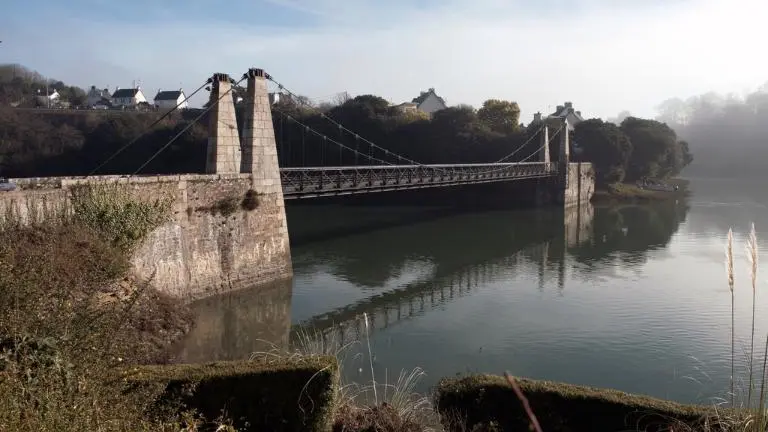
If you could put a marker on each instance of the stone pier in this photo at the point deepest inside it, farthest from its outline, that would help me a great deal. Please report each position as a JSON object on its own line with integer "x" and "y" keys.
{"x": 223, "y": 153}
{"x": 575, "y": 183}
{"x": 227, "y": 229}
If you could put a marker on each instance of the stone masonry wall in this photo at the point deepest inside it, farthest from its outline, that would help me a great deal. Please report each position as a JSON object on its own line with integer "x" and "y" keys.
{"x": 199, "y": 252}
{"x": 579, "y": 184}
{"x": 223, "y": 153}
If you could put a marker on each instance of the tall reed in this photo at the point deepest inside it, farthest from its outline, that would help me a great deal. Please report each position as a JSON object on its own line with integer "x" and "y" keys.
{"x": 752, "y": 256}
{"x": 729, "y": 272}
{"x": 751, "y": 415}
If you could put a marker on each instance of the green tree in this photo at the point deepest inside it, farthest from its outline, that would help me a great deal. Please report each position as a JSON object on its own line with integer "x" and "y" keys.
{"x": 500, "y": 115}
{"x": 606, "y": 146}
{"x": 686, "y": 152}
{"x": 374, "y": 104}
{"x": 656, "y": 151}
{"x": 456, "y": 118}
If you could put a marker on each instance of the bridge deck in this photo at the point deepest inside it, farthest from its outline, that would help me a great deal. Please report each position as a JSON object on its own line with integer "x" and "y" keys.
{"x": 327, "y": 181}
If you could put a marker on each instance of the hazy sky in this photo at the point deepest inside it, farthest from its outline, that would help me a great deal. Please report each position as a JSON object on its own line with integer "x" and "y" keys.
{"x": 604, "y": 55}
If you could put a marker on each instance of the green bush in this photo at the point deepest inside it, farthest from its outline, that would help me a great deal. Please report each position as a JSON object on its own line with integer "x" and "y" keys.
{"x": 473, "y": 402}
{"x": 287, "y": 394}
{"x": 119, "y": 217}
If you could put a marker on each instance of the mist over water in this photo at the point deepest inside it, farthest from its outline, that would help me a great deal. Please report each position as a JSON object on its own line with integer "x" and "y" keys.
{"x": 727, "y": 134}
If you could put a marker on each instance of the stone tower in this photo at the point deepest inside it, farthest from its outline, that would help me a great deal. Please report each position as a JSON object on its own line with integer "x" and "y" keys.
{"x": 259, "y": 145}
{"x": 544, "y": 153}
{"x": 223, "y": 154}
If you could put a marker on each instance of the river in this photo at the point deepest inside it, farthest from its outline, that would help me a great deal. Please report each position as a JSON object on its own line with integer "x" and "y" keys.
{"x": 632, "y": 297}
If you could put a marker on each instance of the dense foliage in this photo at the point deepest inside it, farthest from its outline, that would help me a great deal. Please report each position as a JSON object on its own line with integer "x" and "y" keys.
{"x": 76, "y": 142}
{"x": 19, "y": 86}
{"x": 635, "y": 149}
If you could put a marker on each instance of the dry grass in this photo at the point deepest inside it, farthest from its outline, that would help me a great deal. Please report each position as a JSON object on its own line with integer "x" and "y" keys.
{"x": 69, "y": 319}
{"x": 629, "y": 192}
{"x": 375, "y": 406}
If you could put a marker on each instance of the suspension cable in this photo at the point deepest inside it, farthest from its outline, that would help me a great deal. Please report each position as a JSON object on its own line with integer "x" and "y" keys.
{"x": 192, "y": 123}
{"x": 325, "y": 116}
{"x": 281, "y": 155}
{"x": 521, "y": 145}
{"x": 133, "y": 141}
{"x": 303, "y": 147}
{"x": 535, "y": 152}
{"x": 326, "y": 138}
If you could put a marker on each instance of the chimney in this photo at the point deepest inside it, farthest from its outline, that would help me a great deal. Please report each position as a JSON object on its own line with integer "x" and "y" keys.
{"x": 569, "y": 104}
{"x": 559, "y": 108}
{"x": 537, "y": 117}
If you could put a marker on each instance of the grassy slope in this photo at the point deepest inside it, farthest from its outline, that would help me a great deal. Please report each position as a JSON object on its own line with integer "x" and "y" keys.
{"x": 627, "y": 192}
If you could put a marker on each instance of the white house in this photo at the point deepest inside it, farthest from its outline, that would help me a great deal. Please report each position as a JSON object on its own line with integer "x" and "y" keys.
{"x": 128, "y": 97}
{"x": 96, "y": 96}
{"x": 48, "y": 99}
{"x": 169, "y": 99}
{"x": 406, "y": 107}
{"x": 429, "y": 102}
{"x": 566, "y": 111}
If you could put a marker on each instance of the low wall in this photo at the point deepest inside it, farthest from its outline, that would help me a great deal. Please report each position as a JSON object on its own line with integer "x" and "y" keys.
{"x": 207, "y": 247}
{"x": 269, "y": 394}
{"x": 473, "y": 401}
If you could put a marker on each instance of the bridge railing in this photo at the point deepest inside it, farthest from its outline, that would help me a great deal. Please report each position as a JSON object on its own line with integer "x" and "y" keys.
{"x": 320, "y": 181}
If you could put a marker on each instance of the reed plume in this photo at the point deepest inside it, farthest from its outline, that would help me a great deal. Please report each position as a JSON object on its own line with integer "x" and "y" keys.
{"x": 752, "y": 256}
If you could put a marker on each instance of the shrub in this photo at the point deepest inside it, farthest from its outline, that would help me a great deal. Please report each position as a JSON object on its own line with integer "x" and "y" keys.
{"x": 287, "y": 394}
{"x": 68, "y": 320}
{"x": 120, "y": 218}
{"x": 479, "y": 401}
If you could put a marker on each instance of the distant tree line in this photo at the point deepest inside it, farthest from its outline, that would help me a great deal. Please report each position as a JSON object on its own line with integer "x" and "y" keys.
{"x": 75, "y": 143}
{"x": 728, "y": 133}
{"x": 19, "y": 86}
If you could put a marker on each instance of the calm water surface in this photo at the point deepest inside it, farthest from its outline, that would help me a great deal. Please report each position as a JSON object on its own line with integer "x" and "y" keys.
{"x": 630, "y": 297}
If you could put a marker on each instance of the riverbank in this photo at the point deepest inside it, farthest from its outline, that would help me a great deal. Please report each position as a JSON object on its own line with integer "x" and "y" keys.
{"x": 632, "y": 193}
{"x": 70, "y": 332}
{"x": 79, "y": 338}
{"x": 80, "y": 344}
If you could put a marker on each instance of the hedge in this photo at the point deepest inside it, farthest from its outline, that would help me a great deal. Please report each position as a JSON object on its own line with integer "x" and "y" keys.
{"x": 487, "y": 402}
{"x": 277, "y": 395}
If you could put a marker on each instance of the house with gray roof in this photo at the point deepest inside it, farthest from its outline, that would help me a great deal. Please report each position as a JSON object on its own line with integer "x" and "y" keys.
{"x": 97, "y": 96}
{"x": 129, "y": 97}
{"x": 567, "y": 112}
{"x": 429, "y": 102}
{"x": 170, "y": 99}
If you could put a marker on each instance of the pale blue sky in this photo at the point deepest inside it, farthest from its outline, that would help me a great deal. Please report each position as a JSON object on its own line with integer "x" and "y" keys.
{"x": 604, "y": 55}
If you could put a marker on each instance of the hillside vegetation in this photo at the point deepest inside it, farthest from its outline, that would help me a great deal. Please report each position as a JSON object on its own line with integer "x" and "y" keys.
{"x": 77, "y": 142}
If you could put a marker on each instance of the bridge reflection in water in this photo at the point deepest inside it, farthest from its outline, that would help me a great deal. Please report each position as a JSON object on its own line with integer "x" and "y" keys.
{"x": 235, "y": 325}
{"x": 541, "y": 242}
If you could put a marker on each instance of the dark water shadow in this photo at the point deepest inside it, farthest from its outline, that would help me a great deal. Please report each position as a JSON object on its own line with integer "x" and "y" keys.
{"x": 232, "y": 326}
